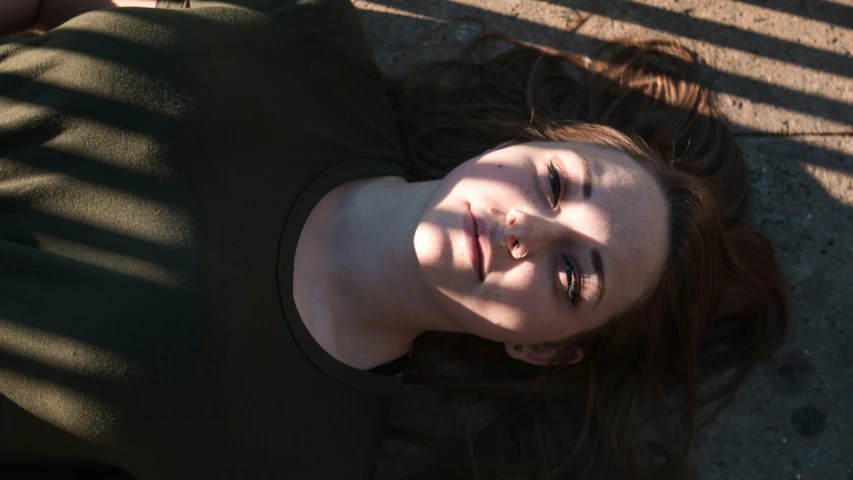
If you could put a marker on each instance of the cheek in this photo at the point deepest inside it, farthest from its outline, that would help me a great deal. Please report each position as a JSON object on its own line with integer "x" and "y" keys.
{"x": 519, "y": 297}
{"x": 497, "y": 182}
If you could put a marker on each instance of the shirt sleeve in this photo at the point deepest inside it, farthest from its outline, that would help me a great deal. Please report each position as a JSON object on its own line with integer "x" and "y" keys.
{"x": 272, "y": 7}
{"x": 173, "y": 4}
{"x": 336, "y": 22}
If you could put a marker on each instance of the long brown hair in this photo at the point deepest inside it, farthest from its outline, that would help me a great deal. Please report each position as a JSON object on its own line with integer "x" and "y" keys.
{"x": 632, "y": 407}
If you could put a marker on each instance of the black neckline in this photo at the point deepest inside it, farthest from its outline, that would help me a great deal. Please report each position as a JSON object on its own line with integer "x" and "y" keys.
{"x": 299, "y": 212}
{"x": 394, "y": 367}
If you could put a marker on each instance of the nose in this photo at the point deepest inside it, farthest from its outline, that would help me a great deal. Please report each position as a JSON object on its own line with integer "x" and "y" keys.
{"x": 525, "y": 233}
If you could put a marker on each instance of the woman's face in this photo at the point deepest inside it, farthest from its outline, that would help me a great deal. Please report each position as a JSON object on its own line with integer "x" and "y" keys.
{"x": 536, "y": 242}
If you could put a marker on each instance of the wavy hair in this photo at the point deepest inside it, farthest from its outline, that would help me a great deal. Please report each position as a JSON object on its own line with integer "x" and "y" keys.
{"x": 632, "y": 406}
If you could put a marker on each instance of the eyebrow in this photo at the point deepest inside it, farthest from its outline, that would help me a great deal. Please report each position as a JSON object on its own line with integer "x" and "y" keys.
{"x": 587, "y": 177}
{"x": 597, "y": 293}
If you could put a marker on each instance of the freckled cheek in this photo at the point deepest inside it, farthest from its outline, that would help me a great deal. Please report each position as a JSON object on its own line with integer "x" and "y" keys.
{"x": 523, "y": 289}
{"x": 498, "y": 181}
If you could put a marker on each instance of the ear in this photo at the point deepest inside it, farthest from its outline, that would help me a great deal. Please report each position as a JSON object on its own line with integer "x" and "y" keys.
{"x": 541, "y": 354}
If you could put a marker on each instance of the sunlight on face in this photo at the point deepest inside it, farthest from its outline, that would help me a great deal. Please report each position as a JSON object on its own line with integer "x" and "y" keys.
{"x": 540, "y": 241}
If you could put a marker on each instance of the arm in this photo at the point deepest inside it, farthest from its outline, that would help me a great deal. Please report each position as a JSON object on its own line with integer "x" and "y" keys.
{"x": 16, "y": 16}
{"x": 43, "y": 15}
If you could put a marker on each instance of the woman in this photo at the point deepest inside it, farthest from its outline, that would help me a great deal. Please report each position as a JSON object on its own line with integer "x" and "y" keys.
{"x": 220, "y": 243}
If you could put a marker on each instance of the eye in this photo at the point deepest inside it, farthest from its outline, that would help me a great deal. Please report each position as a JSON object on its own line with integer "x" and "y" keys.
{"x": 556, "y": 184}
{"x": 572, "y": 280}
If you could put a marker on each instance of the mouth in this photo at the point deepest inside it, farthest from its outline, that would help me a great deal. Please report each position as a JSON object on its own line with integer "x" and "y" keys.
{"x": 472, "y": 242}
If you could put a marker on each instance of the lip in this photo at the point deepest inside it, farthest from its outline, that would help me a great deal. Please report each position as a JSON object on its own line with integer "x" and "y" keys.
{"x": 473, "y": 243}
{"x": 484, "y": 243}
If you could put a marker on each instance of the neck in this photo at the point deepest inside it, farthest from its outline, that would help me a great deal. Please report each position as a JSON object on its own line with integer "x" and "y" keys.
{"x": 374, "y": 283}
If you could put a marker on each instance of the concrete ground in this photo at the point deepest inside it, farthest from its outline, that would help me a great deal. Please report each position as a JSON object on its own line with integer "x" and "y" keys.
{"x": 783, "y": 72}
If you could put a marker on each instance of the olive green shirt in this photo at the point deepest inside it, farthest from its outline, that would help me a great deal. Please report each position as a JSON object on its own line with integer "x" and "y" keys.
{"x": 156, "y": 168}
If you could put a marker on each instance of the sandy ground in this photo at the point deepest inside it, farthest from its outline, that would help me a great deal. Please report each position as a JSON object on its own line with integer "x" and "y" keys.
{"x": 783, "y": 73}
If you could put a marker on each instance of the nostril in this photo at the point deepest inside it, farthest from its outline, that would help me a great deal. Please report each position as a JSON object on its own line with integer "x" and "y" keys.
{"x": 517, "y": 251}
{"x": 510, "y": 218}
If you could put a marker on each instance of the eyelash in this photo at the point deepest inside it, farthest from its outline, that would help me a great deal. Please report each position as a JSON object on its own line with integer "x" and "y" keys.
{"x": 556, "y": 184}
{"x": 572, "y": 279}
